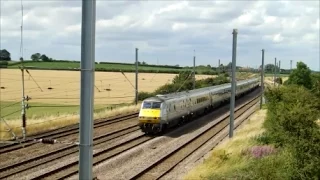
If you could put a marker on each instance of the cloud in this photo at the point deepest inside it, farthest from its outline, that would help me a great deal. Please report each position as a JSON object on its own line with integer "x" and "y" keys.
{"x": 168, "y": 30}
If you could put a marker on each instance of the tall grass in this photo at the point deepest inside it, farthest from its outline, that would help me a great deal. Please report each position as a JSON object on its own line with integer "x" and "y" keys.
{"x": 227, "y": 156}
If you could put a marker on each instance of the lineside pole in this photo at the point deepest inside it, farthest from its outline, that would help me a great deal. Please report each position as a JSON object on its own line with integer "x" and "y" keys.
{"x": 23, "y": 104}
{"x": 262, "y": 79}
{"x": 219, "y": 68}
{"x": 279, "y": 69}
{"x": 194, "y": 72}
{"x": 290, "y": 66}
{"x": 233, "y": 83}
{"x": 136, "y": 92}
{"x": 87, "y": 87}
{"x": 275, "y": 70}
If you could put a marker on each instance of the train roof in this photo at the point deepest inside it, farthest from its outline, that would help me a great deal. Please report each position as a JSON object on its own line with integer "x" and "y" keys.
{"x": 164, "y": 97}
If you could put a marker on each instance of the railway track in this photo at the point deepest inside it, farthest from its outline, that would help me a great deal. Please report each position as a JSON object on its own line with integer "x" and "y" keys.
{"x": 33, "y": 162}
{"x": 71, "y": 168}
{"x": 160, "y": 167}
{"x": 70, "y": 130}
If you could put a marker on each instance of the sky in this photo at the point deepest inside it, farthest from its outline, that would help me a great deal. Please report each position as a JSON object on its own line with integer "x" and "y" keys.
{"x": 168, "y": 32}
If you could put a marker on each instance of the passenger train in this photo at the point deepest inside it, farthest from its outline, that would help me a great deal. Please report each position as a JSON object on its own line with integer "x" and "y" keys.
{"x": 164, "y": 111}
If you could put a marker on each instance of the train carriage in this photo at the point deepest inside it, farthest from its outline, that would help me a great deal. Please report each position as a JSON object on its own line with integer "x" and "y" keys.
{"x": 163, "y": 111}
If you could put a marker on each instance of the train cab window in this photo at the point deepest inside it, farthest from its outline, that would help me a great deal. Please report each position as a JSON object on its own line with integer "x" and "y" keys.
{"x": 156, "y": 105}
{"x": 146, "y": 105}
{"x": 151, "y": 105}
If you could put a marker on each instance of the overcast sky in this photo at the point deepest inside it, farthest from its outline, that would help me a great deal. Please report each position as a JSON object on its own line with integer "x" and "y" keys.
{"x": 168, "y": 30}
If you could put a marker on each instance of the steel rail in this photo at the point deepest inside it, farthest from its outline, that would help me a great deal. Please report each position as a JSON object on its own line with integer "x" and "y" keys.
{"x": 27, "y": 164}
{"x": 166, "y": 163}
{"x": 62, "y": 132}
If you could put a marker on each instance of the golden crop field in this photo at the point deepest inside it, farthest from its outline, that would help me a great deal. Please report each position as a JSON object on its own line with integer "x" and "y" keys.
{"x": 110, "y": 87}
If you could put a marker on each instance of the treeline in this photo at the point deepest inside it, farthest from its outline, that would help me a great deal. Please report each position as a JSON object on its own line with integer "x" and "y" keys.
{"x": 183, "y": 82}
{"x": 162, "y": 71}
{"x": 144, "y": 64}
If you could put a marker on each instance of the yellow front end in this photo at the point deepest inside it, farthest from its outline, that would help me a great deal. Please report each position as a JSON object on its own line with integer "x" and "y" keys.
{"x": 151, "y": 116}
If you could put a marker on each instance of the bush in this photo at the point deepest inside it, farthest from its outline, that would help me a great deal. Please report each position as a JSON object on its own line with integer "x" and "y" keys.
{"x": 300, "y": 76}
{"x": 278, "y": 80}
{"x": 278, "y": 166}
{"x": 3, "y": 64}
{"x": 291, "y": 123}
{"x": 144, "y": 95}
{"x": 316, "y": 84}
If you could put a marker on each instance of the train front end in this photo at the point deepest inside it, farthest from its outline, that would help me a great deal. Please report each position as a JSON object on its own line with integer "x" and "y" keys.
{"x": 150, "y": 116}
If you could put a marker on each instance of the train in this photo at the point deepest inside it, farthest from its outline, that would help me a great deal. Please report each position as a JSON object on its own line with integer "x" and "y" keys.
{"x": 164, "y": 111}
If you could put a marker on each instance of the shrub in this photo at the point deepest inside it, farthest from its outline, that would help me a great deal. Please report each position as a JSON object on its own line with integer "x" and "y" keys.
{"x": 278, "y": 80}
{"x": 276, "y": 166}
{"x": 144, "y": 95}
{"x": 3, "y": 64}
{"x": 301, "y": 76}
{"x": 291, "y": 123}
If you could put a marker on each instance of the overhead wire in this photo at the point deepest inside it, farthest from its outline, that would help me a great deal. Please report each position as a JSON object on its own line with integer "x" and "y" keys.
{"x": 10, "y": 105}
{"x": 11, "y": 113}
{"x": 34, "y": 80}
{"x": 184, "y": 81}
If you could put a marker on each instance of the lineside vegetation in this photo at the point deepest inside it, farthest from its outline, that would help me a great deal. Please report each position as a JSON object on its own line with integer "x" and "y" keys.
{"x": 288, "y": 146}
{"x": 183, "y": 82}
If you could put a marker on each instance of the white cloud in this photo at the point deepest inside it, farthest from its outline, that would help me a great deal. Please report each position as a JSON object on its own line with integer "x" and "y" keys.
{"x": 169, "y": 30}
{"x": 179, "y": 26}
{"x": 277, "y": 38}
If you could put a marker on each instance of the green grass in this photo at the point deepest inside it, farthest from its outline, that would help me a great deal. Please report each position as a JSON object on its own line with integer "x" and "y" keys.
{"x": 12, "y": 110}
{"x": 75, "y": 65}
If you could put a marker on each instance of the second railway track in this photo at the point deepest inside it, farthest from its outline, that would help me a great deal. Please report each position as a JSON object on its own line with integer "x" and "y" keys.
{"x": 27, "y": 164}
{"x": 160, "y": 167}
{"x": 71, "y": 168}
{"x": 73, "y": 129}
{"x": 103, "y": 151}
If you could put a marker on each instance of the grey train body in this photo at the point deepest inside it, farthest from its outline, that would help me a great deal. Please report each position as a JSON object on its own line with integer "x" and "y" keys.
{"x": 178, "y": 107}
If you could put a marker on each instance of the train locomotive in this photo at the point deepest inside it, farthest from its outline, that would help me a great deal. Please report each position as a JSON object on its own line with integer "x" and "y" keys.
{"x": 164, "y": 111}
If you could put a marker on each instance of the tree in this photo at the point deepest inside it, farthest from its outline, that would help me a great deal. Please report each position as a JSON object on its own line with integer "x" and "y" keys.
{"x": 5, "y": 55}
{"x": 301, "y": 76}
{"x": 270, "y": 68}
{"x": 44, "y": 57}
{"x": 183, "y": 76}
{"x": 35, "y": 57}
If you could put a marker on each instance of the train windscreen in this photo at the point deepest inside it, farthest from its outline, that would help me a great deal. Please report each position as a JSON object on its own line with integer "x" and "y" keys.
{"x": 151, "y": 105}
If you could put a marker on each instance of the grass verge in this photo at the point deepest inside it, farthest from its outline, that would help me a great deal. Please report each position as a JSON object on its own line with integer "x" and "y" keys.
{"x": 51, "y": 122}
{"x": 228, "y": 161}
{"x": 12, "y": 110}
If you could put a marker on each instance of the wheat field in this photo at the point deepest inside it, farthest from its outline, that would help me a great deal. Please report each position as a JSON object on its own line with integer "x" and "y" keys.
{"x": 110, "y": 87}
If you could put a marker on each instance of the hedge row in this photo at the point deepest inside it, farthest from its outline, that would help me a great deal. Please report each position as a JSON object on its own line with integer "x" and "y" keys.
{"x": 126, "y": 70}
{"x": 3, "y": 64}
{"x": 291, "y": 124}
{"x": 183, "y": 82}
{"x": 146, "y": 65}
